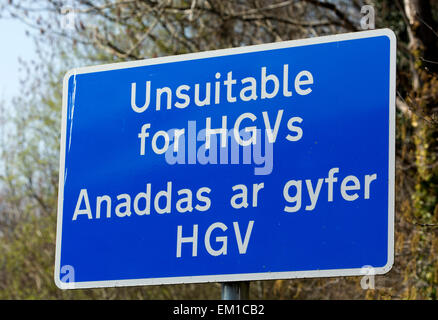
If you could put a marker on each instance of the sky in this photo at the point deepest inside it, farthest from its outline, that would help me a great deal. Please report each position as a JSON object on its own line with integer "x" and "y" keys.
{"x": 13, "y": 44}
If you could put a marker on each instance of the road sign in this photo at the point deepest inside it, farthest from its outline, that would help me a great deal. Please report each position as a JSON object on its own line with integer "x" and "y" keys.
{"x": 261, "y": 162}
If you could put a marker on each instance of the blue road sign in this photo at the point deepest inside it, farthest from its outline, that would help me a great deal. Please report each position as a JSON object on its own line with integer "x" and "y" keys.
{"x": 261, "y": 162}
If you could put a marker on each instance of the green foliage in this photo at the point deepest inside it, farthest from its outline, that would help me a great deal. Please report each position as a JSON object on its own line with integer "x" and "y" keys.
{"x": 30, "y": 150}
{"x": 27, "y": 263}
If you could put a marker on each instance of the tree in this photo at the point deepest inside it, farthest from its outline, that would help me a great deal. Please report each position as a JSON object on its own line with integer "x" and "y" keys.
{"x": 117, "y": 30}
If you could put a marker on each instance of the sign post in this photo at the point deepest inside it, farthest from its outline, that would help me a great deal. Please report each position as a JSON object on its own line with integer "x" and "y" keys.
{"x": 235, "y": 290}
{"x": 273, "y": 161}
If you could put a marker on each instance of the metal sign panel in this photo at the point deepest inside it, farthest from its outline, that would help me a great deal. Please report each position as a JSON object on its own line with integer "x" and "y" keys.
{"x": 261, "y": 162}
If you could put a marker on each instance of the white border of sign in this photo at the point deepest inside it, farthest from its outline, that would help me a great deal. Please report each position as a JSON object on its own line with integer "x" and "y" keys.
{"x": 245, "y": 276}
